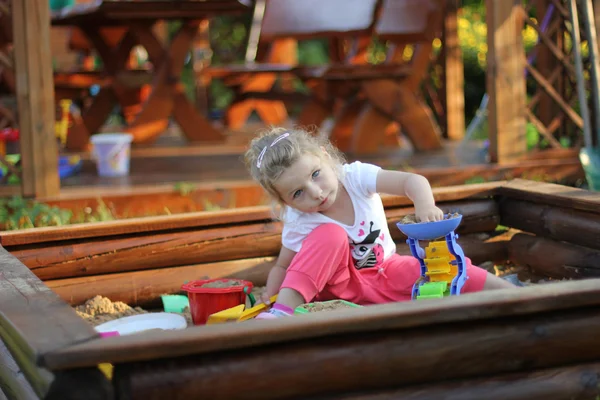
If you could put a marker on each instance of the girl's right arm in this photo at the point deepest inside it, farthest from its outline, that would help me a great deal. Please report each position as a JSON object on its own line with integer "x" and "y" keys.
{"x": 277, "y": 273}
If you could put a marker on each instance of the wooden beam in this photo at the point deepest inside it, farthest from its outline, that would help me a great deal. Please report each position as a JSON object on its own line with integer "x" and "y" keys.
{"x": 12, "y": 379}
{"x": 152, "y": 250}
{"x": 454, "y": 74}
{"x": 35, "y": 98}
{"x": 207, "y": 219}
{"x": 459, "y": 312}
{"x": 547, "y": 257}
{"x": 505, "y": 82}
{"x": 571, "y": 382}
{"x": 144, "y": 287}
{"x": 552, "y": 194}
{"x": 34, "y": 320}
{"x": 312, "y": 368}
{"x": 559, "y": 223}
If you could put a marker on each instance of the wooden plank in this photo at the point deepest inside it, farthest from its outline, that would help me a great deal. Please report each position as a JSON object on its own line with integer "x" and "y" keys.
{"x": 35, "y": 98}
{"x": 505, "y": 82}
{"x": 12, "y": 190}
{"x": 12, "y": 380}
{"x": 166, "y": 200}
{"x": 34, "y": 320}
{"x": 201, "y": 219}
{"x": 571, "y": 382}
{"x": 76, "y": 193}
{"x": 548, "y": 169}
{"x": 552, "y": 194}
{"x": 461, "y": 311}
{"x": 136, "y": 225}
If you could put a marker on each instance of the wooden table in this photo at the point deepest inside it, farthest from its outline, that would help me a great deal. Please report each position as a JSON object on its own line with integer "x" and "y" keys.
{"x": 167, "y": 96}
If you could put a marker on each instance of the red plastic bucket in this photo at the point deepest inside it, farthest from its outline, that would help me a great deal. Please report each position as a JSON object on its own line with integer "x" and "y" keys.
{"x": 205, "y": 301}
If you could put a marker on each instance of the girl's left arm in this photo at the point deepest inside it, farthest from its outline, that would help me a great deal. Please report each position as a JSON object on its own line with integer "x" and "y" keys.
{"x": 415, "y": 187}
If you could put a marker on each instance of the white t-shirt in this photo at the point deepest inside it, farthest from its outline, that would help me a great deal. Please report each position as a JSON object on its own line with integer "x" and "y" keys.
{"x": 369, "y": 237}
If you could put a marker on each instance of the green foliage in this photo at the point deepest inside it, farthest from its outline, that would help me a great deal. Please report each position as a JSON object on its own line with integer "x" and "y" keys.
{"x": 184, "y": 188}
{"x": 101, "y": 213}
{"x": 475, "y": 179}
{"x": 19, "y": 213}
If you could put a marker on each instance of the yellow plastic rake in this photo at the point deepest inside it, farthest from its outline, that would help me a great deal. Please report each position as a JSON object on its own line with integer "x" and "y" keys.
{"x": 238, "y": 313}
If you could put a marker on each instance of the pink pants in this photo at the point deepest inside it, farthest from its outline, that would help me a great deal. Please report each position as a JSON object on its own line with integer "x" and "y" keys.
{"x": 324, "y": 270}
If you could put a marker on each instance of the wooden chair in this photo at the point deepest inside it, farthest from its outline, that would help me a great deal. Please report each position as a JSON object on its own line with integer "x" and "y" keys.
{"x": 367, "y": 101}
{"x": 371, "y": 120}
{"x": 292, "y": 20}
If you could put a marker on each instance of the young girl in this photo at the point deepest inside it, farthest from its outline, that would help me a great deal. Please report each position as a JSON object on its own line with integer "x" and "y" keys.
{"x": 336, "y": 241}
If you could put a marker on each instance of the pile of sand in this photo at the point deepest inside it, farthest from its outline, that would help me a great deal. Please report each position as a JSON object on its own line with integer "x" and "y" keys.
{"x": 99, "y": 310}
{"x": 326, "y": 306}
{"x": 412, "y": 219}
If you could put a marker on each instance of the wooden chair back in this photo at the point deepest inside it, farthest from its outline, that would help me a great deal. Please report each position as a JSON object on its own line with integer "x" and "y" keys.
{"x": 306, "y": 19}
{"x": 409, "y": 21}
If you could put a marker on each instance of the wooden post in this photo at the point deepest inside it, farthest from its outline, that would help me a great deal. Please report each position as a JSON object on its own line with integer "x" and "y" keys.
{"x": 505, "y": 81}
{"x": 454, "y": 74}
{"x": 547, "y": 64}
{"x": 35, "y": 98}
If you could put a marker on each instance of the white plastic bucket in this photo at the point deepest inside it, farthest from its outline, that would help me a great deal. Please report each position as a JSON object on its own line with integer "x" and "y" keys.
{"x": 112, "y": 153}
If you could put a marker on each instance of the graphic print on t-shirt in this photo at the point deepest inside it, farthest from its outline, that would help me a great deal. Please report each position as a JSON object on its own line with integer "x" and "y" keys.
{"x": 369, "y": 252}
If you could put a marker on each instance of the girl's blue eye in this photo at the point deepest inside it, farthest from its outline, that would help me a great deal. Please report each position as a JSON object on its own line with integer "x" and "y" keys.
{"x": 316, "y": 173}
{"x": 297, "y": 193}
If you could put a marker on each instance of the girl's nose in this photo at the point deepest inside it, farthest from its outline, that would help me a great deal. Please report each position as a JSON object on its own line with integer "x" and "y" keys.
{"x": 317, "y": 192}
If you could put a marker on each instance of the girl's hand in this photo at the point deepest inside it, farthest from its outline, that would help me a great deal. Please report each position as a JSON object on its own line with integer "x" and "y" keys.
{"x": 429, "y": 213}
{"x": 265, "y": 298}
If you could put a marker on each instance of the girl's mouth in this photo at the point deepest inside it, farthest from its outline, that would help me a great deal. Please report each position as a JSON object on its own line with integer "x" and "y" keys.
{"x": 324, "y": 201}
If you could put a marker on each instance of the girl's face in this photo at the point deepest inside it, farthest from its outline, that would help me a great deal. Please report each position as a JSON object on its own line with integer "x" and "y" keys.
{"x": 308, "y": 185}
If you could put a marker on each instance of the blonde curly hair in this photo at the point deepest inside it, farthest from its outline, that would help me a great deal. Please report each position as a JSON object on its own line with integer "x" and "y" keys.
{"x": 271, "y": 152}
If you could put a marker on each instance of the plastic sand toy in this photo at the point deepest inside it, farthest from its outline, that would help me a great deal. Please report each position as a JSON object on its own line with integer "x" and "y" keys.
{"x": 442, "y": 261}
{"x": 238, "y": 313}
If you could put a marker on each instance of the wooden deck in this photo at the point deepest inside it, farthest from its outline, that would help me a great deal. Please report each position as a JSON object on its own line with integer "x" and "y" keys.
{"x": 171, "y": 160}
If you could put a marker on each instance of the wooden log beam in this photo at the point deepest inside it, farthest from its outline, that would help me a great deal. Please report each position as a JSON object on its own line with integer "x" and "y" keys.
{"x": 144, "y": 287}
{"x": 104, "y": 255}
{"x": 387, "y": 358}
{"x": 500, "y": 312}
{"x": 505, "y": 82}
{"x": 206, "y": 219}
{"x": 394, "y": 357}
{"x": 570, "y": 382}
{"x": 548, "y": 257}
{"x": 562, "y": 224}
